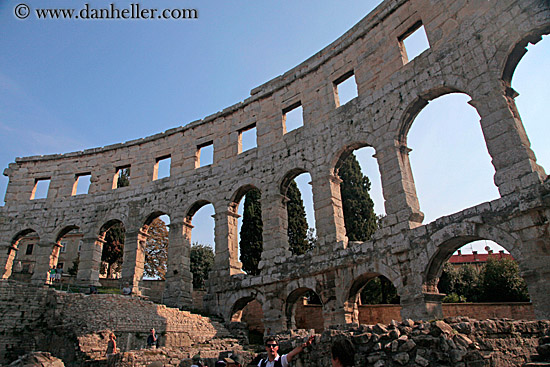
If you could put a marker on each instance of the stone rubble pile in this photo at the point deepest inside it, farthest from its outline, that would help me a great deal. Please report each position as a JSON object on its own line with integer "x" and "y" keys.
{"x": 37, "y": 359}
{"x": 459, "y": 342}
{"x": 75, "y": 327}
{"x": 170, "y": 357}
{"x": 543, "y": 356}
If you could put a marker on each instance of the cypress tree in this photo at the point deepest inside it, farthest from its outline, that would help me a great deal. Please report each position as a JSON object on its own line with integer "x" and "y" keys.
{"x": 251, "y": 244}
{"x": 297, "y": 224}
{"x": 358, "y": 207}
{"x": 113, "y": 248}
{"x": 202, "y": 261}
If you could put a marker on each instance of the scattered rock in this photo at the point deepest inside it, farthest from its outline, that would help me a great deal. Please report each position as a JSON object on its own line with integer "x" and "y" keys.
{"x": 462, "y": 340}
{"x": 38, "y": 359}
{"x": 421, "y": 361}
{"x": 401, "y": 358}
{"x": 407, "y": 346}
{"x": 380, "y": 329}
{"x": 441, "y": 327}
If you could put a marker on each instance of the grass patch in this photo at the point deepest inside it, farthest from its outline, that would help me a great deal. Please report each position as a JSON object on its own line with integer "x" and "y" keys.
{"x": 102, "y": 290}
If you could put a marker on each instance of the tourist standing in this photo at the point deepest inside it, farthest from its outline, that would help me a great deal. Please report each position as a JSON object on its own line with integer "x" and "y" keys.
{"x": 273, "y": 358}
{"x": 343, "y": 353}
{"x": 127, "y": 290}
{"x": 52, "y": 275}
{"x": 197, "y": 361}
{"x": 58, "y": 274}
{"x": 111, "y": 345}
{"x": 152, "y": 339}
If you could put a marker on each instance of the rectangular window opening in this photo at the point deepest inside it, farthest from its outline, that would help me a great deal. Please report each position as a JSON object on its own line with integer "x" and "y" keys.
{"x": 122, "y": 177}
{"x": 82, "y": 184}
{"x": 63, "y": 246}
{"x": 345, "y": 89}
{"x": 205, "y": 155}
{"x": 30, "y": 247}
{"x": 162, "y": 168}
{"x": 40, "y": 190}
{"x": 247, "y": 138}
{"x": 293, "y": 117}
{"x": 413, "y": 42}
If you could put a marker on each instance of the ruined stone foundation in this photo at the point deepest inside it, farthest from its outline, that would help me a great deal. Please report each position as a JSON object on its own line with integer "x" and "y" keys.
{"x": 74, "y": 328}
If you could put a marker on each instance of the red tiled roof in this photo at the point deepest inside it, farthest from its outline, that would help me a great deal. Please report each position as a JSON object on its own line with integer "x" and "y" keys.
{"x": 477, "y": 258}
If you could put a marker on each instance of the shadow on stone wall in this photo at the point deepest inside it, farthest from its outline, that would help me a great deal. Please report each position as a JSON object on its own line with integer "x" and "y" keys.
{"x": 75, "y": 327}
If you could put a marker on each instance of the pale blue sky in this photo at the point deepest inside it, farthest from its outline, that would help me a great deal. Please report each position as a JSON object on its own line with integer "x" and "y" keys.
{"x": 69, "y": 85}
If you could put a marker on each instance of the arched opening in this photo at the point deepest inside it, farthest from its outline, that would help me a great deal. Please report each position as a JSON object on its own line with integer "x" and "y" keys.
{"x": 304, "y": 310}
{"x": 372, "y": 299}
{"x": 112, "y": 234}
{"x": 200, "y": 226}
{"x": 22, "y": 256}
{"x": 360, "y": 191}
{"x": 301, "y": 232}
{"x": 156, "y": 246}
{"x": 248, "y": 311}
{"x": 154, "y": 259}
{"x": 531, "y": 82}
{"x": 480, "y": 279}
{"x": 69, "y": 244}
{"x": 246, "y": 228}
{"x": 449, "y": 158}
{"x": 201, "y": 219}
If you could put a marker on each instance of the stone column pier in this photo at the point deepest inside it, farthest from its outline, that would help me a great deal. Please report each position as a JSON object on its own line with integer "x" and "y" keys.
{"x": 329, "y": 215}
{"x": 6, "y": 261}
{"x": 274, "y": 317}
{"x": 534, "y": 268}
{"x": 179, "y": 280}
{"x": 507, "y": 143}
{"x": 47, "y": 254}
{"x": 333, "y": 315}
{"x": 422, "y": 306}
{"x": 134, "y": 259}
{"x": 90, "y": 261}
{"x": 226, "y": 260}
{"x": 275, "y": 229}
{"x": 400, "y": 197}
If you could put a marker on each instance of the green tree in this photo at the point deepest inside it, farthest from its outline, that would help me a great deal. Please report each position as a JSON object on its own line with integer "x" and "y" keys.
{"x": 379, "y": 290}
{"x": 73, "y": 270}
{"x": 123, "y": 177}
{"x": 299, "y": 239}
{"x": 202, "y": 261}
{"x": 251, "y": 244}
{"x": 113, "y": 248}
{"x": 501, "y": 282}
{"x": 311, "y": 238}
{"x": 156, "y": 249}
{"x": 467, "y": 283}
{"x": 358, "y": 207}
{"x": 460, "y": 283}
{"x": 497, "y": 281}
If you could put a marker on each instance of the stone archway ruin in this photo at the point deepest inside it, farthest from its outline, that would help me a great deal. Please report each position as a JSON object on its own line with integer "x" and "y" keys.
{"x": 474, "y": 48}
